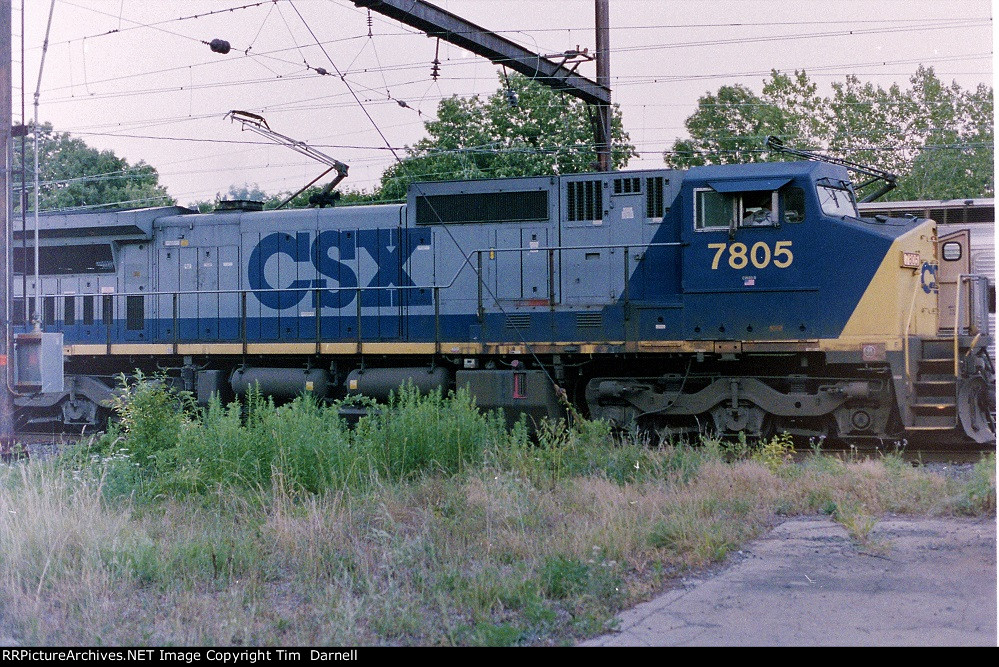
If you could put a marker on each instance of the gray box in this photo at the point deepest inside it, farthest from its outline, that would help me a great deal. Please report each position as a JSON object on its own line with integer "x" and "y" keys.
{"x": 38, "y": 362}
{"x": 209, "y": 382}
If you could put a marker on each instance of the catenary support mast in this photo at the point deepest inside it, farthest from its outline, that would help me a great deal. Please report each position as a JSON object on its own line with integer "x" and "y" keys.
{"x": 437, "y": 22}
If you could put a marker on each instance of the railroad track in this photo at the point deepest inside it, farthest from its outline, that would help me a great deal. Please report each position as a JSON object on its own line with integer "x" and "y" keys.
{"x": 41, "y": 445}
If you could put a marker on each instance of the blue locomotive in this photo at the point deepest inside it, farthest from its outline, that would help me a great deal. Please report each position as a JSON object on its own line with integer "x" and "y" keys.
{"x": 732, "y": 298}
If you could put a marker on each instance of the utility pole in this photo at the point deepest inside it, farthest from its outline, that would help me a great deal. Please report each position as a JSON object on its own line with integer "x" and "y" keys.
{"x": 6, "y": 99}
{"x": 602, "y": 14}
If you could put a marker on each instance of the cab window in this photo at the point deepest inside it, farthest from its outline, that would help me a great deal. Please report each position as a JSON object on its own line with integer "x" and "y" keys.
{"x": 794, "y": 205}
{"x": 727, "y": 210}
{"x": 837, "y": 201}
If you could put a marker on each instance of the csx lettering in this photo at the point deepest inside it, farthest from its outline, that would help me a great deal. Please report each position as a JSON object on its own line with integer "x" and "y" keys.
{"x": 388, "y": 248}
{"x": 759, "y": 254}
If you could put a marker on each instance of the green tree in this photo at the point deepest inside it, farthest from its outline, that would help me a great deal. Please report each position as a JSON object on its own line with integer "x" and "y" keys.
{"x": 73, "y": 174}
{"x": 937, "y": 139}
{"x": 731, "y": 126}
{"x": 543, "y": 132}
{"x": 252, "y": 192}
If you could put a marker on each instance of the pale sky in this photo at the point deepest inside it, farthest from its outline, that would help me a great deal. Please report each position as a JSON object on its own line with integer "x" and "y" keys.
{"x": 127, "y": 75}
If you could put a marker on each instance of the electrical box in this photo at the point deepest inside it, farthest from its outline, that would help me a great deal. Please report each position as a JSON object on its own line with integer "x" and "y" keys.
{"x": 210, "y": 382}
{"x": 38, "y": 359}
{"x": 517, "y": 391}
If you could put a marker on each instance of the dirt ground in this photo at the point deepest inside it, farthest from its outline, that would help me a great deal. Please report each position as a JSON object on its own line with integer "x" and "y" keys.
{"x": 917, "y": 582}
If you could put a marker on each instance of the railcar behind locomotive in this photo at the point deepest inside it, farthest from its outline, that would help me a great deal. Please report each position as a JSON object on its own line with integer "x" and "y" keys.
{"x": 733, "y": 298}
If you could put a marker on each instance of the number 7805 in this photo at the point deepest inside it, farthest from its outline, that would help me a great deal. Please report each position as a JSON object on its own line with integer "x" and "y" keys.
{"x": 740, "y": 255}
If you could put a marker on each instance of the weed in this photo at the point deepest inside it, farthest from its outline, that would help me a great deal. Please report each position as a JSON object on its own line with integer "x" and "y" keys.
{"x": 979, "y": 495}
{"x": 856, "y": 520}
{"x": 776, "y": 453}
{"x": 562, "y": 577}
{"x": 491, "y": 634}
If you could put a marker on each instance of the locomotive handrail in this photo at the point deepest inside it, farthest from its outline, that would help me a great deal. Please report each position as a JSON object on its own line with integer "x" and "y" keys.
{"x": 957, "y": 328}
{"x": 109, "y": 298}
{"x": 447, "y": 285}
{"x": 908, "y": 327}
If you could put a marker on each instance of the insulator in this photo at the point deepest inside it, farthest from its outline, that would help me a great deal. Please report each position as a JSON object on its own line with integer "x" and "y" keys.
{"x": 321, "y": 71}
{"x": 219, "y": 46}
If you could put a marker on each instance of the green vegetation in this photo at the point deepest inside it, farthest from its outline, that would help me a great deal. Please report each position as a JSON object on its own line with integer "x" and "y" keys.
{"x": 75, "y": 174}
{"x": 937, "y": 138}
{"x": 428, "y": 523}
{"x": 535, "y": 132}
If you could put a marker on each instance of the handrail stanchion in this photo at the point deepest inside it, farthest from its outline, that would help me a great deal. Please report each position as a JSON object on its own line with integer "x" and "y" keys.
{"x": 908, "y": 325}
{"x": 319, "y": 322}
{"x": 242, "y": 319}
{"x": 437, "y": 319}
{"x": 957, "y": 324}
{"x": 176, "y": 320}
{"x": 359, "y": 348}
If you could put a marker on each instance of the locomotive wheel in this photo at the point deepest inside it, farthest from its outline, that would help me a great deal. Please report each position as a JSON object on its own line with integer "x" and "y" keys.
{"x": 975, "y": 411}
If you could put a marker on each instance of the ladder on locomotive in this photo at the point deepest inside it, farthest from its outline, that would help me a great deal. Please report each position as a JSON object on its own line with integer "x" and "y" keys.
{"x": 936, "y": 387}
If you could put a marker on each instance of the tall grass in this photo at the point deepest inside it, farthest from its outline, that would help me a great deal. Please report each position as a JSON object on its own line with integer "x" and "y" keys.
{"x": 429, "y": 523}
{"x": 163, "y": 444}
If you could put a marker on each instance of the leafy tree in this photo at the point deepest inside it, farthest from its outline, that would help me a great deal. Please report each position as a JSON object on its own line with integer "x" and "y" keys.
{"x": 542, "y": 132}
{"x": 731, "y": 127}
{"x": 937, "y": 138}
{"x": 73, "y": 174}
{"x": 252, "y": 192}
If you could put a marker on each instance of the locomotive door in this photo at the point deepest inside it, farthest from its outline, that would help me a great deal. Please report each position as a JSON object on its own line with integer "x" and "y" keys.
{"x": 135, "y": 269}
{"x": 70, "y": 321}
{"x": 418, "y": 301}
{"x": 187, "y": 284}
{"x": 208, "y": 297}
{"x": 379, "y": 267}
{"x": 535, "y": 286}
{"x": 517, "y": 285}
{"x": 229, "y": 303}
{"x": 955, "y": 259}
{"x": 168, "y": 284}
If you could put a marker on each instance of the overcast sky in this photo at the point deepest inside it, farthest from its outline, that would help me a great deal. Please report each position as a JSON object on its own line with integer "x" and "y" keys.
{"x": 129, "y": 76}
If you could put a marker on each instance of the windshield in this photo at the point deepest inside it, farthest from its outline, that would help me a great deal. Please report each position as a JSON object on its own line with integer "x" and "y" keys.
{"x": 837, "y": 201}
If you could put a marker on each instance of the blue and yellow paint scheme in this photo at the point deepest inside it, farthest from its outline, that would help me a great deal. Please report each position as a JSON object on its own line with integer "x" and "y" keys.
{"x": 713, "y": 272}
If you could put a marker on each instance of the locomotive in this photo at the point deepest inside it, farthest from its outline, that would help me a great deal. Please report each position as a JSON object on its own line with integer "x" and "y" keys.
{"x": 746, "y": 298}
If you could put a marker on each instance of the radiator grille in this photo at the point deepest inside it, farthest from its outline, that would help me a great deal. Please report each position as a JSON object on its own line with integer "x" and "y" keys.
{"x": 585, "y": 200}
{"x": 589, "y": 320}
{"x": 518, "y": 321}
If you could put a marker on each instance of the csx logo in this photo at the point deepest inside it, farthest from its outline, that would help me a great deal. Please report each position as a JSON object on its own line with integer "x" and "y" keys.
{"x": 389, "y": 248}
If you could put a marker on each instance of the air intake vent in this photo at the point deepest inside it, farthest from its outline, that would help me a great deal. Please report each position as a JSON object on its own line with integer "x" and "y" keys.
{"x": 227, "y": 205}
{"x": 627, "y": 186}
{"x": 518, "y": 321}
{"x": 589, "y": 320}
{"x": 482, "y": 207}
{"x": 585, "y": 199}
{"x": 654, "y": 205}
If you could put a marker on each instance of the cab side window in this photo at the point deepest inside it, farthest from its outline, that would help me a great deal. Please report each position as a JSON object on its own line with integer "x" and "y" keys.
{"x": 714, "y": 210}
{"x": 758, "y": 209}
{"x": 794, "y": 205}
{"x": 729, "y": 210}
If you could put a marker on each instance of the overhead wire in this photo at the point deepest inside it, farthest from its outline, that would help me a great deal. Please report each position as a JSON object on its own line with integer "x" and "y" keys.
{"x": 907, "y": 26}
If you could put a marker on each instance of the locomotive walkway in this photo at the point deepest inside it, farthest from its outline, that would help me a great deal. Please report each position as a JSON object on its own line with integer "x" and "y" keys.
{"x": 919, "y": 582}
